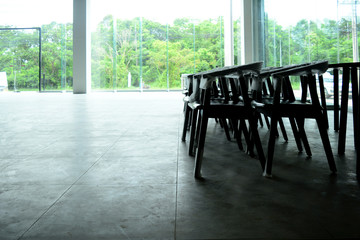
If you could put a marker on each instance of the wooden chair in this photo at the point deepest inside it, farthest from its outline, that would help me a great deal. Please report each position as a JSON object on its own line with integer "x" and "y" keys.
{"x": 193, "y": 105}
{"x": 188, "y": 92}
{"x": 284, "y": 104}
{"x": 287, "y": 94}
{"x": 349, "y": 75}
{"x": 226, "y": 109}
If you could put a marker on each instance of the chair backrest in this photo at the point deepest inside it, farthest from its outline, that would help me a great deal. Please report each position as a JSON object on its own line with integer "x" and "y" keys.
{"x": 350, "y": 73}
{"x": 239, "y": 71}
{"x": 307, "y": 74}
{"x": 263, "y": 86}
{"x": 195, "y": 89}
{"x": 187, "y": 83}
{"x": 233, "y": 82}
{"x": 209, "y": 76}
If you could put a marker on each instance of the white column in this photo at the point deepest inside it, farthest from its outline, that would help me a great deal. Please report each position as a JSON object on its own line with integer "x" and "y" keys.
{"x": 228, "y": 36}
{"x": 81, "y": 47}
{"x": 247, "y": 53}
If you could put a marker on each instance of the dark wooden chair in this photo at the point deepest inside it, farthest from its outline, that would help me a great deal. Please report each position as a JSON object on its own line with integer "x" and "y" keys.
{"x": 188, "y": 92}
{"x": 217, "y": 94}
{"x": 349, "y": 75}
{"x": 231, "y": 90}
{"x": 284, "y": 104}
{"x": 287, "y": 95}
{"x": 233, "y": 110}
{"x": 192, "y": 103}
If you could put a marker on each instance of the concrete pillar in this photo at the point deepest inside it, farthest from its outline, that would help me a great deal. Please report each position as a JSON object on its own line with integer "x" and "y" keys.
{"x": 229, "y": 35}
{"x": 247, "y": 36}
{"x": 81, "y": 47}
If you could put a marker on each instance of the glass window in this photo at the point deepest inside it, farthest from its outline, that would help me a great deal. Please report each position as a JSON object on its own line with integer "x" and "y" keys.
{"x": 21, "y": 21}
{"x": 237, "y": 15}
{"x": 147, "y": 45}
{"x": 310, "y": 30}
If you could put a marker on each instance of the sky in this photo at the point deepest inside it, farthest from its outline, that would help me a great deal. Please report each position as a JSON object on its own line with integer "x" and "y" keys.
{"x": 34, "y": 13}
{"x": 301, "y": 9}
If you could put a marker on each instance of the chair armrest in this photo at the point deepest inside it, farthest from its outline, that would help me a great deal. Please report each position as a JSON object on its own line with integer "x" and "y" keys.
{"x": 256, "y": 104}
{"x": 251, "y": 67}
{"x": 313, "y": 68}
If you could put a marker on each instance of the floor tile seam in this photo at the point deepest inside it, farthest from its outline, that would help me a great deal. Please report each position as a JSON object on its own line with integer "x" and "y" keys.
{"x": 67, "y": 190}
{"x": 100, "y": 157}
{"x": 46, "y": 211}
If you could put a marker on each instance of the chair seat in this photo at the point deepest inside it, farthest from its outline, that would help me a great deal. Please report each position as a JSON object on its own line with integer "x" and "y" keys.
{"x": 289, "y": 109}
{"x": 227, "y": 110}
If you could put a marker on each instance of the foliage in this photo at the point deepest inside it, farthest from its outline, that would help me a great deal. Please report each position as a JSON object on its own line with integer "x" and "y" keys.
{"x": 19, "y": 57}
{"x": 308, "y": 41}
{"x": 158, "y": 53}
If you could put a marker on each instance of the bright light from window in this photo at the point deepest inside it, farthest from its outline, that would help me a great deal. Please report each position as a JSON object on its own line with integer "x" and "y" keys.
{"x": 163, "y": 11}
{"x": 34, "y": 13}
{"x": 288, "y": 13}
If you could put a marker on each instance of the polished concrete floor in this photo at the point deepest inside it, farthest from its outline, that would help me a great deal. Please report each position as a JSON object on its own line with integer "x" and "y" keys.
{"x": 112, "y": 166}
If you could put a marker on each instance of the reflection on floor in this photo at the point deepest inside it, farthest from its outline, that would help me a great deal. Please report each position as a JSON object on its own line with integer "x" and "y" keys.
{"x": 112, "y": 166}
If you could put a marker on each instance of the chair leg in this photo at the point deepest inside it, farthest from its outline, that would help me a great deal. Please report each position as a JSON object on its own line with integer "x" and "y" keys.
{"x": 358, "y": 163}
{"x": 249, "y": 144}
{"x": 201, "y": 144}
{"x": 257, "y": 141}
{"x": 343, "y": 111}
{"x": 258, "y": 116}
{"x": 296, "y": 134}
{"x": 323, "y": 100}
{"x": 219, "y": 121}
{"x": 283, "y": 131}
{"x": 197, "y": 132}
{"x": 237, "y": 133}
{"x": 326, "y": 143}
{"x": 355, "y": 102}
{"x": 269, "y": 127}
{"x": 267, "y": 121}
{"x": 226, "y": 128}
{"x": 186, "y": 123}
{"x": 231, "y": 127}
{"x": 193, "y": 131}
{"x": 271, "y": 147}
{"x": 302, "y": 133}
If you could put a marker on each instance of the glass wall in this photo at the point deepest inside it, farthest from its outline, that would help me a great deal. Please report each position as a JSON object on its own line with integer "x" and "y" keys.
{"x": 19, "y": 58}
{"x": 347, "y": 30}
{"x": 147, "y": 45}
{"x": 237, "y": 22}
{"x": 310, "y": 30}
{"x": 30, "y": 29}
